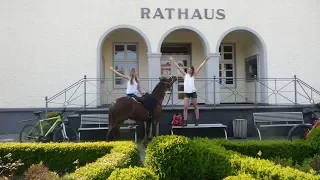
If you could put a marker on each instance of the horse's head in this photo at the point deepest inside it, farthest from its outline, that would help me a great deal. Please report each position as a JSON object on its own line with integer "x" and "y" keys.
{"x": 168, "y": 81}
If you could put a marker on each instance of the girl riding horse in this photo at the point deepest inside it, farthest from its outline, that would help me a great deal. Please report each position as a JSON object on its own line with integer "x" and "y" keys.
{"x": 124, "y": 108}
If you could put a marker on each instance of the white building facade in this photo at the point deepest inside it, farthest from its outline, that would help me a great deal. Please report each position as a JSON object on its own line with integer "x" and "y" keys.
{"x": 255, "y": 47}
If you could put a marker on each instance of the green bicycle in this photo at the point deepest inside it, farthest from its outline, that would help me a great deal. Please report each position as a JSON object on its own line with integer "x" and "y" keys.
{"x": 41, "y": 132}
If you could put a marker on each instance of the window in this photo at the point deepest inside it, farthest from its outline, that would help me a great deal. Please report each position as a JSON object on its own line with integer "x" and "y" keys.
{"x": 226, "y": 66}
{"x": 125, "y": 58}
{"x": 251, "y": 68}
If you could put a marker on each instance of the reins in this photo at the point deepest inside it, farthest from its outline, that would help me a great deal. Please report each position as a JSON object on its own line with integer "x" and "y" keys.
{"x": 170, "y": 83}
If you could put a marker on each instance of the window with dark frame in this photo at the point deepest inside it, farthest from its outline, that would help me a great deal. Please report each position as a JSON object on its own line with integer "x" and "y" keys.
{"x": 125, "y": 58}
{"x": 226, "y": 66}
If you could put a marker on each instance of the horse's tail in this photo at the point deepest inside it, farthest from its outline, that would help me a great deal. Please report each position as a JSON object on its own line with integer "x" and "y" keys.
{"x": 111, "y": 122}
{"x": 111, "y": 115}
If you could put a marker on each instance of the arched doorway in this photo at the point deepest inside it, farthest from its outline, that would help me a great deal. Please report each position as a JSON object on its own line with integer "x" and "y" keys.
{"x": 187, "y": 46}
{"x": 123, "y": 47}
{"x": 243, "y": 62}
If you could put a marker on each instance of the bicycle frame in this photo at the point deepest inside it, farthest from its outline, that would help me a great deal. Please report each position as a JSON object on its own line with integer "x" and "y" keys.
{"x": 51, "y": 129}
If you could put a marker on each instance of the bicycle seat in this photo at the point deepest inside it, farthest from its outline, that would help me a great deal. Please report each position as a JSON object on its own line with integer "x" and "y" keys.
{"x": 66, "y": 122}
{"x": 37, "y": 113}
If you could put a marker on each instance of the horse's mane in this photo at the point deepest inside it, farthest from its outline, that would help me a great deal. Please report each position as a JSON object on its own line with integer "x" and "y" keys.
{"x": 159, "y": 90}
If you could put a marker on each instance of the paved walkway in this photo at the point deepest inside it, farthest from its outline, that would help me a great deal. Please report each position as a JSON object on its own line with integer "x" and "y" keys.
{"x": 9, "y": 138}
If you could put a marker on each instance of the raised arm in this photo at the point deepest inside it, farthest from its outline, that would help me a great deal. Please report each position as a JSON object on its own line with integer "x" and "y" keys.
{"x": 139, "y": 87}
{"x": 121, "y": 75}
{"x": 199, "y": 68}
{"x": 176, "y": 64}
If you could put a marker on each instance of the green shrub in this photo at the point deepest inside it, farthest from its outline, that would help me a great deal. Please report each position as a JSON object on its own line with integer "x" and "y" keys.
{"x": 54, "y": 114}
{"x": 265, "y": 169}
{"x": 240, "y": 177}
{"x": 314, "y": 138}
{"x": 298, "y": 150}
{"x": 315, "y": 163}
{"x": 58, "y": 157}
{"x": 46, "y": 125}
{"x": 123, "y": 155}
{"x": 215, "y": 159}
{"x": 174, "y": 157}
{"x": 308, "y": 165}
{"x": 136, "y": 173}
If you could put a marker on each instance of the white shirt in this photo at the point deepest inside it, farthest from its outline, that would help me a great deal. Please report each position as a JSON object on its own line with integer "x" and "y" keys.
{"x": 132, "y": 88}
{"x": 189, "y": 84}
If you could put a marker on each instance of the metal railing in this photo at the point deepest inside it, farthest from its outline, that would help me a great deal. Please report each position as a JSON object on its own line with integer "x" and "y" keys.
{"x": 87, "y": 92}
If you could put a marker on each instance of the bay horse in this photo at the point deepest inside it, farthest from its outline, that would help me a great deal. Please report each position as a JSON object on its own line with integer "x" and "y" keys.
{"x": 125, "y": 108}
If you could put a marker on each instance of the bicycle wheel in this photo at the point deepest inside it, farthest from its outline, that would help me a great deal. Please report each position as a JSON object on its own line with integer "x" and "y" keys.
{"x": 29, "y": 133}
{"x": 70, "y": 132}
{"x": 298, "y": 132}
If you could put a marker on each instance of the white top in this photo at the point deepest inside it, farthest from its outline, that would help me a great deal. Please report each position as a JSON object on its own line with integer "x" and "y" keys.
{"x": 189, "y": 84}
{"x": 132, "y": 88}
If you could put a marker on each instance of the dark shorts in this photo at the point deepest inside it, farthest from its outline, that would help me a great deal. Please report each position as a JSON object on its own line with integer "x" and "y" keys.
{"x": 130, "y": 95}
{"x": 190, "y": 95}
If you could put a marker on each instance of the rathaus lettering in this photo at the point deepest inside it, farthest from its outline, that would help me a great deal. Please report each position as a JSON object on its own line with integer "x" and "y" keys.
{"x": 170, "y": 13}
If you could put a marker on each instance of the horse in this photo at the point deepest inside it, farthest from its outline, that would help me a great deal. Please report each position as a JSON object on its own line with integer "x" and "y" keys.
{"x": 127, "y": 108}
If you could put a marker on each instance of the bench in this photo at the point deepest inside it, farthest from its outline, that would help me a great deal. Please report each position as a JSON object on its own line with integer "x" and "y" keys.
{"x": 201, "y": 126}
{"x": 91, "y": 122}
{"x": 277, "y": 119}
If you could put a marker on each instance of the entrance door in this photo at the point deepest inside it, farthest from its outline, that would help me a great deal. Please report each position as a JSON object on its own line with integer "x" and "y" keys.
{"x": 168, "y": 69}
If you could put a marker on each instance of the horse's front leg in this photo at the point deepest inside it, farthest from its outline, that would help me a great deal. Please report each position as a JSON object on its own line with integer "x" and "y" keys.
{"x": 154, "y": 129}
{"x": 147, "y": 133}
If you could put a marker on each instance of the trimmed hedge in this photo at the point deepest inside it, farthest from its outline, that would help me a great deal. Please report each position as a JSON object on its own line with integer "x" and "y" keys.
{"x": 178, "y": 157}
{"x": 240, "y": 177}
{"x": 58, "y": 157}
{"x": 265, "y": 169}
{"x": 174, "y": 157}
{"x": 297, "y": 150}
{"x": 314, "y": 138}
{"x": 136, "y": 173}
{"x": 215, "y": 159}
{"x": 124, "y": 155}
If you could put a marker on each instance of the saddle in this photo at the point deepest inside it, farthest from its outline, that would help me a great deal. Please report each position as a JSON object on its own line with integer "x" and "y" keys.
{"x": 148, "y": 101}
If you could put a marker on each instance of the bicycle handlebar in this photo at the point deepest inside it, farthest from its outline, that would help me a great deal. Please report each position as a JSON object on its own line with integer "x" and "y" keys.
{"x": 63, "y": 111}
{"x": 315, "y": 115}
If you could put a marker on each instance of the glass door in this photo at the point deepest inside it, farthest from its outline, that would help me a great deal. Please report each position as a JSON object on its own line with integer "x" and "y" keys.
{"x": 168, "y": 69}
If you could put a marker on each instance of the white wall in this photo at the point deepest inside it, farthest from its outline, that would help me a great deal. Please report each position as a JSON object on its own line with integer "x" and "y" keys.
{"x": 48, "y": 45}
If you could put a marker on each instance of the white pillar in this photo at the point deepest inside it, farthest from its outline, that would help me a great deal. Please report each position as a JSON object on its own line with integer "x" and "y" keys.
{"x": 154, "y": 69}
{"x": 211, "y": 71}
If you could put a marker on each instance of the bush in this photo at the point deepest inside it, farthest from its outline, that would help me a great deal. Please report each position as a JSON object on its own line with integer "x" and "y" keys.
{"x": 136, "y": 173}
{"x": 315, "y": 163}
{"x": 174, "y": 157}
{"x": 7, "y": 166}
{"x": 314, "y": 138}
{"x": 265, "y": 169}
{"x": 47, "y": 124}
{"x": 298, "y": 150}
{"x": 54, "y": 114}
{"x": 240, "y": 177}
{"x": 58, "y": 157}
{"x": 122, "y": 156}
{"x": 308, "y": 165}
{"x": 215, "y": 159}
{"x": 40, "y": 172}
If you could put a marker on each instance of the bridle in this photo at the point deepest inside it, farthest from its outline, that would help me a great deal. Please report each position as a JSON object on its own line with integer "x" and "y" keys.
{"x": 170, "y": 83}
